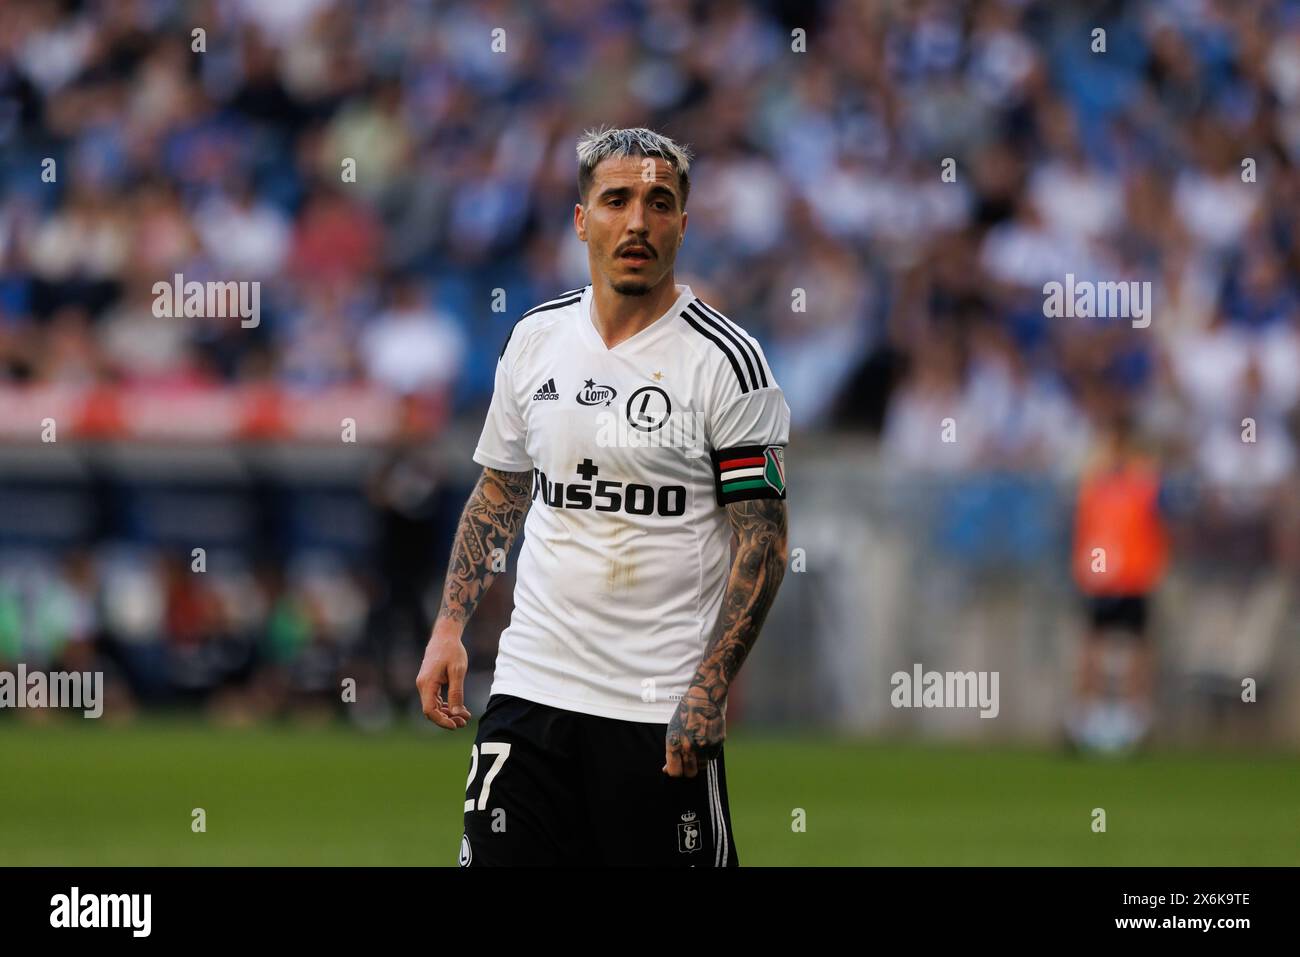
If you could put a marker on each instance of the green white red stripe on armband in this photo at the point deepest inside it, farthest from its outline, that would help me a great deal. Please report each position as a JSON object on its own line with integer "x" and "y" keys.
{"x": 750, "y": 471}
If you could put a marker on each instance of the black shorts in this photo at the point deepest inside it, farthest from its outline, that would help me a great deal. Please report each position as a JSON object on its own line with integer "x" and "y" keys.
{"x": 554, "y": 787}
{"x": 1126, "y": 613}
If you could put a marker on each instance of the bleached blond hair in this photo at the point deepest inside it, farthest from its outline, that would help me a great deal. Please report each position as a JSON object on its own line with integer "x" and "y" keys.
{"x": 596, "y": 146}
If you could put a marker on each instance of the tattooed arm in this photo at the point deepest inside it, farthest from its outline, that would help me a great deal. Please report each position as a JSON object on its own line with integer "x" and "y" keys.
{"x": 488, "y": 526}
{"x": 697, "y": 729}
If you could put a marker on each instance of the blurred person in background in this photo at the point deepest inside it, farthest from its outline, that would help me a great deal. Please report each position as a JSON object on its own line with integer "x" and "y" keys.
{"x": 407, "y": 491}
{"x": 1120, "y": 554}
{"x": 410, "y": 347}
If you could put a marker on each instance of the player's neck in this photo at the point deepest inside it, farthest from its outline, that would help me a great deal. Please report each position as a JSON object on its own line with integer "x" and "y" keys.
{"x": 618, "y": 317}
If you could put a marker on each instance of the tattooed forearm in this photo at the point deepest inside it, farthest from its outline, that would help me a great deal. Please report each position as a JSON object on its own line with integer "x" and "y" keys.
{"x": 491, "y": 520}
{"x": 756, "y": 574}
{"x": 697, "y": 728}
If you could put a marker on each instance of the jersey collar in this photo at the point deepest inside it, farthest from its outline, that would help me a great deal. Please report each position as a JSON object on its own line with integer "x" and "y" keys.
{"x": 652, "y": 331}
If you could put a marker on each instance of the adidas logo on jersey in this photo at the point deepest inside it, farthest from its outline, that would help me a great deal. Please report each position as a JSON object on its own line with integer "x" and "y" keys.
{"x": 546, "y": 391}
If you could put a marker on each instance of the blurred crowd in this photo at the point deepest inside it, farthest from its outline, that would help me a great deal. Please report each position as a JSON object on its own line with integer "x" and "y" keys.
{"x": 1162, "y": 149}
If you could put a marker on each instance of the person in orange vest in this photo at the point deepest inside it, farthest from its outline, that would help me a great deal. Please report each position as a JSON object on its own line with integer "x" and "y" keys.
{"x": 1120, "y": 553}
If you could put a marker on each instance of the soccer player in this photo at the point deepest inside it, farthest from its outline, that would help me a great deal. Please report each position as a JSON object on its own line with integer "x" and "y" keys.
{"x": 633, "y": 429}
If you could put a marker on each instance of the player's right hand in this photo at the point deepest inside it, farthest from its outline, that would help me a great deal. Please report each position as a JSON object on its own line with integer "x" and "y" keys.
{"x": 444, "y": 665}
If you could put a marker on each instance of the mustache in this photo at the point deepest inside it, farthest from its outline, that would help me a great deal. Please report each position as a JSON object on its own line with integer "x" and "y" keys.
{"x": 642, "y": 243}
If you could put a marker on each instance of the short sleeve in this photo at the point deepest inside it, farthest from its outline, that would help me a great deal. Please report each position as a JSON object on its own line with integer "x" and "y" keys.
{"x": 503, "y": 444}
{"x": 748, "y": 435}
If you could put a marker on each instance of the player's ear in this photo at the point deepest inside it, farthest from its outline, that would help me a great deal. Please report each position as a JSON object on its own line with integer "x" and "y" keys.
{"x": 682, "y": 238}
{"x": 580, "y": 222}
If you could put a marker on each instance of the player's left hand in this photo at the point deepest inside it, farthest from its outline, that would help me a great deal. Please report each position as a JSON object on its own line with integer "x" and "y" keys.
{"x": 695, "y": 734}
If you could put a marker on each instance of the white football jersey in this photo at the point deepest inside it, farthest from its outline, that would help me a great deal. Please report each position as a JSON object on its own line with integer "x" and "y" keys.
{"x": 634, "y": 452}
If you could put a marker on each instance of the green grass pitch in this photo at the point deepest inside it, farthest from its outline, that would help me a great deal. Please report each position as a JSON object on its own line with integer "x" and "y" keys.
{"x": 83, "y": 794}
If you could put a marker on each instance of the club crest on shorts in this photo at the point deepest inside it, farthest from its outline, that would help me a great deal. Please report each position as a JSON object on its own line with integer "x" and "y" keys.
{"x": 688, "y": 834}
{"x": 466, "y": 855}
